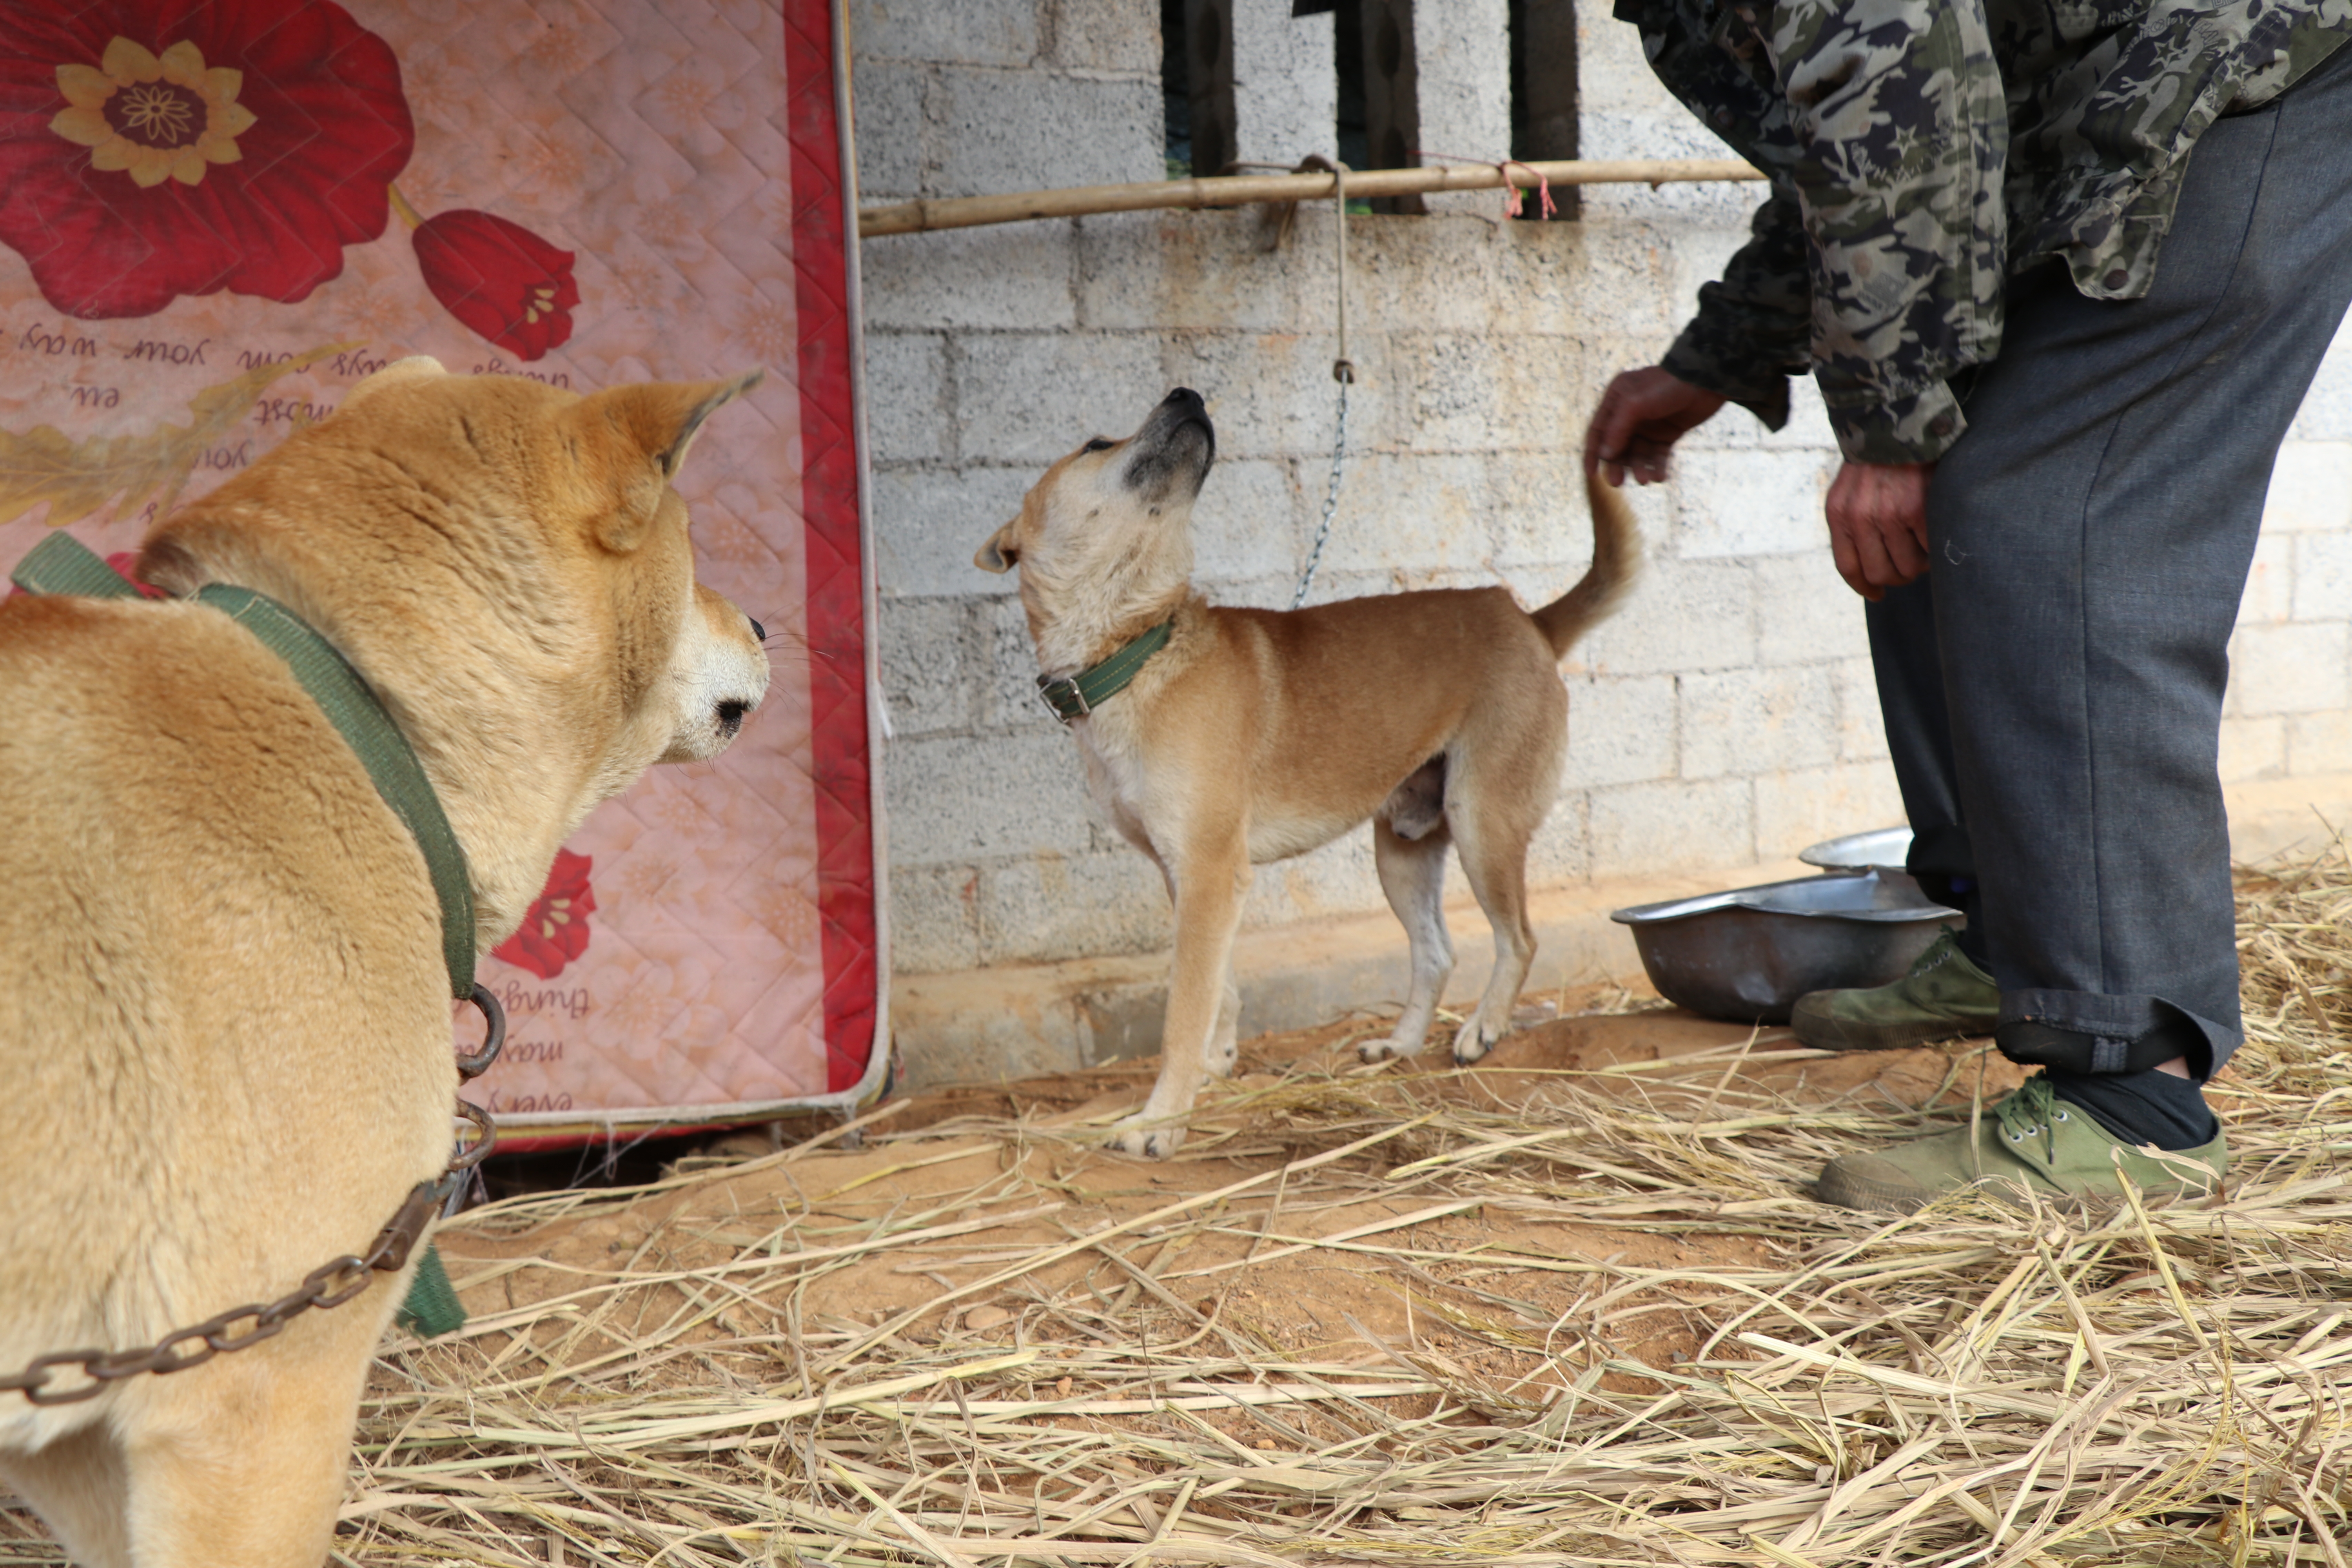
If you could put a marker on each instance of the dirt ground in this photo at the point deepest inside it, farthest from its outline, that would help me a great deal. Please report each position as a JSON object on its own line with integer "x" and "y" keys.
{"x": 1350, "y": 1277}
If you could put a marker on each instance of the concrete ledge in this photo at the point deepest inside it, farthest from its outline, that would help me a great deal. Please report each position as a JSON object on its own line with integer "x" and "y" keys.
{"x": 985, "y": 1026}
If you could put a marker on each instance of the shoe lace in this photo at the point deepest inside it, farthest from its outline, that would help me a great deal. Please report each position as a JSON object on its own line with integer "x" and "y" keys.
{"x": 1938, "y": 953}
{"x": 2033, "y": 1111}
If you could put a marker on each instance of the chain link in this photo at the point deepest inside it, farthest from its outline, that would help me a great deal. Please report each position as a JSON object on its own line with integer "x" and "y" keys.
{"x": 330, "y": 1284}
{"x": 1330, "y": 500}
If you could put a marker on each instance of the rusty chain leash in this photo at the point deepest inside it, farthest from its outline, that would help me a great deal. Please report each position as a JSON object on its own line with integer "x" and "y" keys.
{"x": 330, "y": 1284}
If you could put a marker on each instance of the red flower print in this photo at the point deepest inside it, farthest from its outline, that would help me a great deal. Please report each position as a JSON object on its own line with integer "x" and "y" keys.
{"x": 155, "y": 148}
{"x": 556, "y": 930}
{"x": 499, "y": 278}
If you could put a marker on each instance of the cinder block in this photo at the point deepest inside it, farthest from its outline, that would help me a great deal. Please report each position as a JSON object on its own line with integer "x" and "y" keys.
{"x": 889, "y": 129}
{"x": 1180, "y": 270}
{"x": 1652, "y": 829}
{"x": 2323, "y": 573}
{"x": 1562, "y": 854}
{"x": 2253, "y": 749}
{"x": 1804, "y": 612}
{"x": 1612, "y": 75}
{"x": 1453, "y": 391}
{"x": 926, "y": 665}
{"x": 934, "y": 919}
{"x": 1682, "y": 615}
{"x": 1413, "y": 517}
{"x": 927, "y": 522}
{"x": 1806, "y": 805}
{"x": 1272, "y": 394}
{"x": 1620, "y": 729}
{"x": 2271, "y": 584}
{"x": 955, "y": 799}
{"x": 2311, "y": 488}
{"x": 1015, "y": 130}
{"x": 1019, "y": 276}
{"x": 1596, "y": 283}
{"x": 1430, "y": 274}
{"x": 1028, "y": 398}
{"x": 968, "y": 32}
{"x": 1337, "y": 878}
{"x": 1673, "y": 131}
{"x": 1106, "y": 35}
{"x": 1752, "y": 502}
{"x": 1042, "y": 906}
{"x": 1861, "y": 724}
{"x": 1250, "y": 522}
{"x": 2318, "y": 743}
{"x": 1543, "y": 531}
{"x": 907, "y": 395}
{"x": 1461, "y": 52}
{"x": 2297, "y": 667}
{"x": 1285, "y": 84}
{"x": 1756, "y": 721}
{"x": 1008, "y": 671}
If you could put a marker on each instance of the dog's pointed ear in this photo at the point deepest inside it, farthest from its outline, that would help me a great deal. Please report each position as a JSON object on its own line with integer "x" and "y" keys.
{"x": 1002, "y": 551}
{"x": 416, "y": 367}
{"x": 632, "y": 440}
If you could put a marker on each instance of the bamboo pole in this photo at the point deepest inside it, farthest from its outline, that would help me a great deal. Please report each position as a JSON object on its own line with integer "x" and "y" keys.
{"x": 1078, "y": 201}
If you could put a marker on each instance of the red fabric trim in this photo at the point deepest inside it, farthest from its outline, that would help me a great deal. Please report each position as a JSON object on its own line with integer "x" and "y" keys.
{"x": 837, "y": 594}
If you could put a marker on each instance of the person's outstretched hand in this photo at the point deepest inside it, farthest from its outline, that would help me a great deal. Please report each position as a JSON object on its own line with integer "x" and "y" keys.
{"x": 1878, "y": 526}
{"x": 1641, "y": 415}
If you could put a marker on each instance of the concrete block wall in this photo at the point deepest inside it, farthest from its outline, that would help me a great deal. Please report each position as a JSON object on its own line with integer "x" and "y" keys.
{"x": 1724, "y": 719}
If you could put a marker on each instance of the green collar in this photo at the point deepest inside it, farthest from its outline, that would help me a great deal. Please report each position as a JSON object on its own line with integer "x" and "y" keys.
{"x": 62, "y": 564}
{"x": 1072, "y": 697}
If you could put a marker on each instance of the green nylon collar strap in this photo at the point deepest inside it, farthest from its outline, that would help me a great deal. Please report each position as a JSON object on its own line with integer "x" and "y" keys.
{"x": 1072, "y": 697}
{"x": 62, "y": 564}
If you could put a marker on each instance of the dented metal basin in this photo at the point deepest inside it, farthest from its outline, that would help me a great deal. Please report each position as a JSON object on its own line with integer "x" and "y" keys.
{"x": 1746, "y": 955}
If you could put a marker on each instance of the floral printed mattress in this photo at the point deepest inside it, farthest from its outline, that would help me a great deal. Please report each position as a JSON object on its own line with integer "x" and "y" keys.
{"x": 217, "y": 214}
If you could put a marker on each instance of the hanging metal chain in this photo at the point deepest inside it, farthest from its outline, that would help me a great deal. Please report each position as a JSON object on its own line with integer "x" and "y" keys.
{"x": 330, "y": 1284}
{"x": 1330, "y": 501}
{"x": 1343, "y": 370}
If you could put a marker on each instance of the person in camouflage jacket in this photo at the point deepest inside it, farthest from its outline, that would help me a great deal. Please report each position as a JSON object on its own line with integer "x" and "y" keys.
{"x": 1921, "y": 152}
{"x": 2061, "y": 271}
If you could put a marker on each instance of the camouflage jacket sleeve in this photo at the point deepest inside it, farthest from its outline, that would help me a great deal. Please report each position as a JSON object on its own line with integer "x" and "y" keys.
{"x": 1754, "y": 329}
{"x": 1885, "y": 141}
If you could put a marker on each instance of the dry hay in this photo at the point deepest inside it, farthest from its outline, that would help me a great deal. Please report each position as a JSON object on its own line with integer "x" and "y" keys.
{"x": 998, "y": 1361}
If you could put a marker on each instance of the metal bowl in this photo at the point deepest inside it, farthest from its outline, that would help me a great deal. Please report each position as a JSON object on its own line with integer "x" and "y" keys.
{"x": 1746, "y": 955}
{"x": 1885, "y": 849}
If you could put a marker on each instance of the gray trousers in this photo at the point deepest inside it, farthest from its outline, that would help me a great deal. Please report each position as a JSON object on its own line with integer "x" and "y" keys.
{"x": 2052, "y": 687}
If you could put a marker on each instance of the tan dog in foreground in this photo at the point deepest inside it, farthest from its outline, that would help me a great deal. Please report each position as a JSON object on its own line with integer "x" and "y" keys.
{"x": 1254, "y": 735}
{"x": 224, "y": 1020}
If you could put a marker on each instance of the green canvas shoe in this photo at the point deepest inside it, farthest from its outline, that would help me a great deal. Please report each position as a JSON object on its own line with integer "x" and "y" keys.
{"x": 1943, "y": 997}
{"x": 2029, "y": 1141}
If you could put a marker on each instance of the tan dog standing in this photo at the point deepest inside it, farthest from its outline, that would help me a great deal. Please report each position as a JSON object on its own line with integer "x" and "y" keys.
{"x": 224, "y": 1020}
{"x": 1254, "y": 735}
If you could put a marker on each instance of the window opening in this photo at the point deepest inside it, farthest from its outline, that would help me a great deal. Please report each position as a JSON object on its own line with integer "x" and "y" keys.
{"x": 1196, "y": 84}
{"x": 1543, "y": 90}
{"x": 1176, "y": 88}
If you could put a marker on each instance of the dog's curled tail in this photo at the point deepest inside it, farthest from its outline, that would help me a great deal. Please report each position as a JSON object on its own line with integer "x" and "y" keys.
{"x": 1616, "y": 562}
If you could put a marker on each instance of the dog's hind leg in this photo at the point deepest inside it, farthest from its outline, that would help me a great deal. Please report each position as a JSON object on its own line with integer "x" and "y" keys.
{"x": 1208, "y": 884}
{"x": 1413, "y": 875}
{"x": 1495, "y": 862}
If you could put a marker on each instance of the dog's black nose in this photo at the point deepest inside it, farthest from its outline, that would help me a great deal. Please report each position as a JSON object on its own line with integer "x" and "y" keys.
{"x": 1183, "y": 394}
{"x": 759, "y": 632}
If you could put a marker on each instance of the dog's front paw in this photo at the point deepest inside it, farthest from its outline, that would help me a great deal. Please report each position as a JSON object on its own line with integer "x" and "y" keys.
{"x": 1474, "y": 1040}
{"x": 1389, "y": 1050}
{"x": 1137, "y": 1137}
